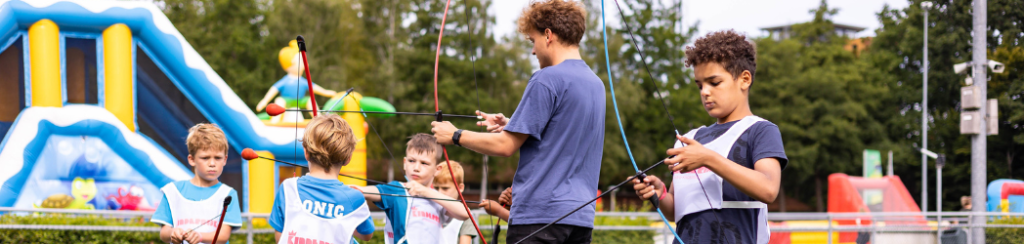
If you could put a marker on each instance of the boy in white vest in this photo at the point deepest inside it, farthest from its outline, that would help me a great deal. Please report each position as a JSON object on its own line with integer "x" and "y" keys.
{"x": 456, "y": 231}
{"x": 317, "y": 207}
{"x": 727, "y": 172}
{"x": 191, "y": 209}
{"x": 415, "y": 220}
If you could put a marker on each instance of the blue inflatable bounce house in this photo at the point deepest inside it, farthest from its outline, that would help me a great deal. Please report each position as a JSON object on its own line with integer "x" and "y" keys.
{"x": 96, "y": 98}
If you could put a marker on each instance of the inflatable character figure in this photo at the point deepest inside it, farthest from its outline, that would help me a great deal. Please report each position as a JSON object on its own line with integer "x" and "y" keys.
{"x": 82, "y": 191}
{"x": 130, "y": 198}
{"x": 293, "y": 88}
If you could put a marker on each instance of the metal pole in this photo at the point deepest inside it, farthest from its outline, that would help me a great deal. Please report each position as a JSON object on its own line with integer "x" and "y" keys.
{"x": 978, "y": 144}
{"x": 483, "y": 182}
{"x": 924, "y": 114}
{"x": 890, "y": 163}
{"x": 829, "y": 228}
{"x": 248, "y": 236}
{"x": 938, "y": 201}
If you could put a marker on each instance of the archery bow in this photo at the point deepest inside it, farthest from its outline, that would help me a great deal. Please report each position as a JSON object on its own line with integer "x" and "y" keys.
{"x": 611, "y": 86}
{"x": 437, "y": 107}
{"x": 643, "y": 60}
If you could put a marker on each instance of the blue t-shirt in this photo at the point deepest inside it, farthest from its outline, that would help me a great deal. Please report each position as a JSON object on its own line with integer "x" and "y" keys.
{"x": 163, "y": 215}
{"x": 328, "y": 191}
{"x": 287, "y": 87}
{"x": 563, "y": 111}
{"x": 762, "y": 140}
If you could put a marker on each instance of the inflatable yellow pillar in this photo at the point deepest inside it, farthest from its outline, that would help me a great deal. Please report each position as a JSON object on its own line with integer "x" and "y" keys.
{"x": 44, "y": 56}
{"x": 357, "y": 165}
{"x": 118, "y": 95}
{"x": 261, "y": 184}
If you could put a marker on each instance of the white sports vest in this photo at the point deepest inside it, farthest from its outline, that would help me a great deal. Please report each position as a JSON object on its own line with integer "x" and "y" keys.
{"x": 190, "y": 214}
{"x": 690, "y": 197}
{"x": 450, "y": 233}
{"x": 301, "y": 226}
{"x": 423, "y": 223}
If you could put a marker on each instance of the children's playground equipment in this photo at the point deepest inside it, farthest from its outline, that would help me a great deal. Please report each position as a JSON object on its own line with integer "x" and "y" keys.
{"x": 851, "y": 194}
{"x": 96, "y": 99}
{"x": 1006, "y": 195}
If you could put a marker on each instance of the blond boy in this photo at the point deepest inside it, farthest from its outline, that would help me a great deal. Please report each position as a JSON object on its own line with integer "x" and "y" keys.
{"x": 456, "y": 231}
{"x": 189, "y": 207}
{"x": 317, "y": 207}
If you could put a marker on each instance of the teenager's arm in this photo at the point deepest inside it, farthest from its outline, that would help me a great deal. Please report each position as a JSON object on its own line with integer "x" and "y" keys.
{"x": 454, "y": 208}
{"x": 501, "y": 144}
{"x": 277, "y": 237}
{"x": 207, "y": 237}
{"x": 760, "y": 183}
{"x": 372, "y": 193}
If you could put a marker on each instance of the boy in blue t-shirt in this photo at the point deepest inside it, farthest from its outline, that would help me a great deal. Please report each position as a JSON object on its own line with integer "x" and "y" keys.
{"x": 317, "y": 207}
{"x": 191, "y": 209}
{"x": 727, "y": 172}
{"x": 410, "y": 218}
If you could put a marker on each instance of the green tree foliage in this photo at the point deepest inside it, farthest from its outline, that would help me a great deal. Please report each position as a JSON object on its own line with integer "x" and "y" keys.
{"x": 821, "y": 97}
{"x": 898, "y": 48}
{"x": 228, "y": 35}
{"x": 656, "y": 27}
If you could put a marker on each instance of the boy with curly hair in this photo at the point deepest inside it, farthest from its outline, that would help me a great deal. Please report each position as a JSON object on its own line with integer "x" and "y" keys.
{"x": 737, "y": 161}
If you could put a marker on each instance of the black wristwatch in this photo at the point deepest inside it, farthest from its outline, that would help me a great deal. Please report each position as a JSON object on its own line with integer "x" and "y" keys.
{"x": 456, "y": 137}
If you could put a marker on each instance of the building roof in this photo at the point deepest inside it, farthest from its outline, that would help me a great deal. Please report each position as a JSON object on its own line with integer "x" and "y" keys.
{"x": 838, "y": 25}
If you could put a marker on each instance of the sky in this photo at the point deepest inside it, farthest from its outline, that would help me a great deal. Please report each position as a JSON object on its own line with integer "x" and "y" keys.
{"x": 747, "y": 16}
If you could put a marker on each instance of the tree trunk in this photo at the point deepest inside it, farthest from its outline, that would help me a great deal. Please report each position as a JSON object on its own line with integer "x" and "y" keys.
{"x": 782, "y": 199}
{"x": 817, "y": 193}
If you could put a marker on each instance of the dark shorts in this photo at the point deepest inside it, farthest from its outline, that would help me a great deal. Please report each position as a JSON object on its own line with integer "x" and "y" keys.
{"x": 552, "y": 234}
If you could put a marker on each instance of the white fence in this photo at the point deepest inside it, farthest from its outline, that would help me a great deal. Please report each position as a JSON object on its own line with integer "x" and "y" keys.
{"x": 884, "y": 227}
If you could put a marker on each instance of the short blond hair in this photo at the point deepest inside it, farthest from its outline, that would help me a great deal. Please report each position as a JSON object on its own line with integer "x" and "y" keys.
{"x": 443, "y": 176}
{"x": 328, "y": 141}
{"x": 204, "y": 136}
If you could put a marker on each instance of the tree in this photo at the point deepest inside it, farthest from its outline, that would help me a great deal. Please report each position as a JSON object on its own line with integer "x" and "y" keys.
{"x": 900, "y": 39}
{"x": 656, "y": 28}
{"x": 228, "y": 35}
{"x": 821, "y": 96}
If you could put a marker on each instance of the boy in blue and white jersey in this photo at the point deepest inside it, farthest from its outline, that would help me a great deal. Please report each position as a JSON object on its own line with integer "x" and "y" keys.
{"x": 415, "y": 220}
{"x": 317, "y": 207}
{"x": 191, "y": 209}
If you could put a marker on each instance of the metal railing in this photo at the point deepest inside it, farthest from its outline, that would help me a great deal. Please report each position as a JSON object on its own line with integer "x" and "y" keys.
{"x": 872, "y": 223}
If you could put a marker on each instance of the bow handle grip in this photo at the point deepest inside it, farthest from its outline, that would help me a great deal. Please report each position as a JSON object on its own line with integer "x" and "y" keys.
{"x": 654, "y": 198}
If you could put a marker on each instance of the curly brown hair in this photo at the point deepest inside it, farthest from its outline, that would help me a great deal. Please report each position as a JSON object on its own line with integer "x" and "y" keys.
{"x": 566, "y": 19}
{"x": 728, "y": 48}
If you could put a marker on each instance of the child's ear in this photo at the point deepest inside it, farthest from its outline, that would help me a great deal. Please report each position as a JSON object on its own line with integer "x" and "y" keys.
{"x": 745, "y": 80}
{"x": 190, "y": 162}
{"x": 462, "y": 187}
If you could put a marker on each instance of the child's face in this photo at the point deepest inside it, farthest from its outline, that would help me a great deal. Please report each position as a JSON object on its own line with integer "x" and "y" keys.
{"x": 720, "y": 92}
{"x": 420, "y": 167}
{"x": 448, "y": 189}
{"x": 208, "y": 164}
